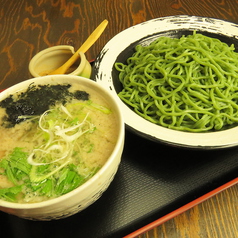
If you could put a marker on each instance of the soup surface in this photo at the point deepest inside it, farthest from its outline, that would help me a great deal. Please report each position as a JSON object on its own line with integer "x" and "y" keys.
{"x": 52, "y": 143}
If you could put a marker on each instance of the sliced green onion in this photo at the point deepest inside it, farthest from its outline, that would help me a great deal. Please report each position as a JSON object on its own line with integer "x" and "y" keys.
{"x": 36, "y": 178}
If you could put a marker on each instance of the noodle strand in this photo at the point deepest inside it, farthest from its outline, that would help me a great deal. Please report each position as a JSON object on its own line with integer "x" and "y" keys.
{"x": 188, "y": 84}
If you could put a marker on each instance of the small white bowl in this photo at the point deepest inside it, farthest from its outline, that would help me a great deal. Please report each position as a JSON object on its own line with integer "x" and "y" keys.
{"x": 53, "y": 57}
{"x": 86, "y": 194}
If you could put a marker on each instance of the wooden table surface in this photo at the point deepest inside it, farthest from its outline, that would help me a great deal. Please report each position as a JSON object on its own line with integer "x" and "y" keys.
{"x": 27, "y": 26}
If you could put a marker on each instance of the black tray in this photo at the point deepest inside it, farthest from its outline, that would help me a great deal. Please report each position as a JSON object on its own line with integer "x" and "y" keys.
{"x": 152, "y": 181}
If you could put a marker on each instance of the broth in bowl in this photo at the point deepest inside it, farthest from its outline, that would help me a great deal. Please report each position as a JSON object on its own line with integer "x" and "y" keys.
{"x": 54, "y": 139}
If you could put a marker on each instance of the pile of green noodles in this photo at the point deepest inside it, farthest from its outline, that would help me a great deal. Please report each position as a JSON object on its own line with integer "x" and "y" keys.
{"x": 187, "y": 84}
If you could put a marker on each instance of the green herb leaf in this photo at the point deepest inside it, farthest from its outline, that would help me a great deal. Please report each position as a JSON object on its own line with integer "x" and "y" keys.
{"x": 16, "y": 166}
{"x": 68, "y": 181}
{"x": 10, "y": 194}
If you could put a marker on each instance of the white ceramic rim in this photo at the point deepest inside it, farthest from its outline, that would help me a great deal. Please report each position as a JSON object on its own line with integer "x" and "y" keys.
{"x": 120, "y": 140}
{"x": 103, "y": 75}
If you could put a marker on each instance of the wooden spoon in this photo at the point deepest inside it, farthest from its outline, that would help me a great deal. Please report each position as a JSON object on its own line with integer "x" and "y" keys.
{"x": 85, "y": 46}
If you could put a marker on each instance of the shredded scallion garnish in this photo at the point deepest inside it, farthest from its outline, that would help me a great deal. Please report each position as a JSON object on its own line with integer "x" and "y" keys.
{"x": 49, "y": 169}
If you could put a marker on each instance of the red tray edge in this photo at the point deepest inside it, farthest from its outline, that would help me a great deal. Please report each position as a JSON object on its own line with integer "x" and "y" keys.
{"x": 182, "y": 209}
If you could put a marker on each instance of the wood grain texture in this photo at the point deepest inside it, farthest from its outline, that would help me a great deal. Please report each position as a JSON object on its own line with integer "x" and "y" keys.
{"x": 27, "y": 27}
{"x": 214, "y": 218}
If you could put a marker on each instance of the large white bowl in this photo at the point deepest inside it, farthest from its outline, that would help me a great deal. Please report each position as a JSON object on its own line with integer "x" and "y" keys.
{"x": 89, "y": 192}
{"x": 121, "y": 46}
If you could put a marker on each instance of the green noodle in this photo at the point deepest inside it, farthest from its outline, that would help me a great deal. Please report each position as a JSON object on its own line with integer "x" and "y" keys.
{"x": 188, "y": 84}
